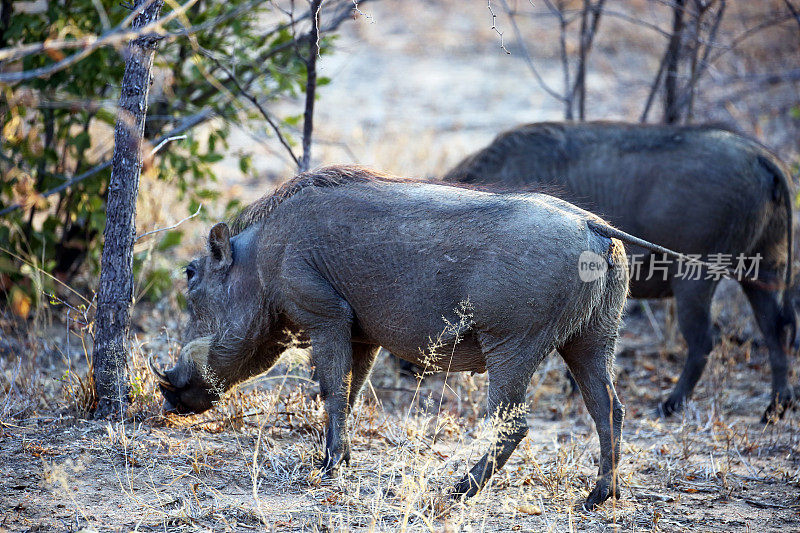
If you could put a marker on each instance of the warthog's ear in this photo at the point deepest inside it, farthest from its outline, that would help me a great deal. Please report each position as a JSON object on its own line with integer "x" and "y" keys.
{"x": 219, "y": 244}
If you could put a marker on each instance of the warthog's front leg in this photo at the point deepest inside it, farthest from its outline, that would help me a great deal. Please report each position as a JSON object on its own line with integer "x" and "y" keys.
{"x": 511, "y": 430}
{"x": 333, "y": 358}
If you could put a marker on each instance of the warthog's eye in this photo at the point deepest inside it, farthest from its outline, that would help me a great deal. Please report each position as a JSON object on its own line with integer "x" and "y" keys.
{"x": 191, "y": 272}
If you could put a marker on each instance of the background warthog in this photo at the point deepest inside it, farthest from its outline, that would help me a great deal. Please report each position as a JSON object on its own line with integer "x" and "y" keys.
{"x": 694, "y": 189}
{"x": 352, "y": 260}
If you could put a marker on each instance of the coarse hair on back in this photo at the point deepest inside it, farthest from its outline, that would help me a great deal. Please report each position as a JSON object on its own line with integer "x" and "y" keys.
{"x": 342, "y": 175}
{"x": 324, "y": 177}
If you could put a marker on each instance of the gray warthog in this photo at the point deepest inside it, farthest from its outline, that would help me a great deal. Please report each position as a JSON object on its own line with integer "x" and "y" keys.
{"x": 696, "y": 189}
{"x": 351, "y": 260}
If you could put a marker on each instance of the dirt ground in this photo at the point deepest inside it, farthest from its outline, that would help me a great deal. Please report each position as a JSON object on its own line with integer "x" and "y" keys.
{"x": 414, "y": 90}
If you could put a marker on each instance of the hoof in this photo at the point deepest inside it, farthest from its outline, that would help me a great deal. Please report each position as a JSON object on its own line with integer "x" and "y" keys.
{"x": 330, "y": 466}
{"x": 329, "y": 471}
{"x": 466, "y": 488}
{"x": 781, "y": 402}
{"x": 669, "y": 408}
{"x": 600, "y": 493}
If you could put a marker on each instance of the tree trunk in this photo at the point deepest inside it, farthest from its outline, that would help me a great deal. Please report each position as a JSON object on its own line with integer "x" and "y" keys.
{"x": 311, "y": 85}
{"x": 116, "y": 267}
{"x": 672, "y": 112}
{"x": 590, "y": 19}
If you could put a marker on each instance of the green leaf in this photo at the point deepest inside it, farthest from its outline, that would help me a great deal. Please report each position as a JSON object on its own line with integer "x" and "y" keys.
{"x": 170, "y": 240}
{"x": 246, "y": 163}
{"x": 211, "y": 157}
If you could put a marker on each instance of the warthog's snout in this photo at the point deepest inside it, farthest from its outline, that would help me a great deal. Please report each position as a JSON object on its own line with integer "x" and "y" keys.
{"x": 183, "y": 387}
{"x": 172, "y": 403}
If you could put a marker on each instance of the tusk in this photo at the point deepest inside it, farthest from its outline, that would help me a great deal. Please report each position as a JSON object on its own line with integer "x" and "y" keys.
{"x": 161, "y": 376}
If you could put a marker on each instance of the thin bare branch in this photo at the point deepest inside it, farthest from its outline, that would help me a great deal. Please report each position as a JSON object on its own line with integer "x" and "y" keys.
{"x": 770, "y": 78}
{"x": 635, "y": 21}
{"x": 699, "y": 67}
{"x": 672, "y": 60}
{"x": 101, "y": 12}
{"x": 187, "y": 124}
{"x": 748, "y": 33}
{"x": 339, "y": 13}
{"x": 19, "y": 51}
{"x": 163, "y": 143}
{"x": 562, "y": 39}
{"x": 527, "y": 56}
{"x": 155, "y": 30}
{"x": 651, "y": 96}
{"x": 244, "y": 92}
{"x": 159, "y": 230}
{"x": 793, "y": 10}
{"x": 115, "y": 37}
{"x": 495, "y": 28}
{"x": 367, "y": 16}
{"x": 588, "y": 32}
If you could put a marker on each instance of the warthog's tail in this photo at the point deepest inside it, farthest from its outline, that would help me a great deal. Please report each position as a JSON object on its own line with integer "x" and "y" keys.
{"x": 787, "y": 199}
{"x": 614, "y": 233}
{"x": 781, "y": 183}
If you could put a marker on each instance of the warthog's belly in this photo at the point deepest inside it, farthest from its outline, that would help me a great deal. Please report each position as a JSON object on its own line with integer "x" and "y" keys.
{"x": 444, "y": 356}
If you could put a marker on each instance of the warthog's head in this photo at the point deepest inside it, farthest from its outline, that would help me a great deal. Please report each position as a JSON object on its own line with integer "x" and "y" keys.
{"x": 223, "y": 298}
{"x": 189, "y": 386}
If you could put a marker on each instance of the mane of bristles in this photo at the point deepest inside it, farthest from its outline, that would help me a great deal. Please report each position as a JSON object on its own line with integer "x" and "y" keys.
{"x": 325, "y": 177}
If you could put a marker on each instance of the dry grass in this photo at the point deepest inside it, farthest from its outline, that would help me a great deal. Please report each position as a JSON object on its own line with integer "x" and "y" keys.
{"x": 251, "y": 462}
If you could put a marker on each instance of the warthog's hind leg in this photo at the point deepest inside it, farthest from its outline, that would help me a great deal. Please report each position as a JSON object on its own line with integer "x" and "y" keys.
{"x": 589, "y": 358}
{"x": 777, "y": 326}
{"x": 363, "y": 359}
{"x": 693, "y": 299}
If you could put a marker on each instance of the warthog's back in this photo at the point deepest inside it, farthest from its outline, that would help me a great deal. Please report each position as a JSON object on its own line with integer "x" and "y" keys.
{"x": 694, "y": 189}
{"x": 676, "y": 186}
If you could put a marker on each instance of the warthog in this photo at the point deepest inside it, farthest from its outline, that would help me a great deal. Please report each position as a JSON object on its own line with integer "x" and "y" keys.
{"x": 351, "y": 260}
{"x": 696, "y": 189}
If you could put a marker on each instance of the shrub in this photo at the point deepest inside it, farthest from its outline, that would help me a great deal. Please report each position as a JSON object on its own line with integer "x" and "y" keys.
{"x": 62, "y": 126}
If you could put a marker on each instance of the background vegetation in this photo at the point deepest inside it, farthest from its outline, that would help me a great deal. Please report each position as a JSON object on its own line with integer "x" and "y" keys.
{"x": 58, "y": 129}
